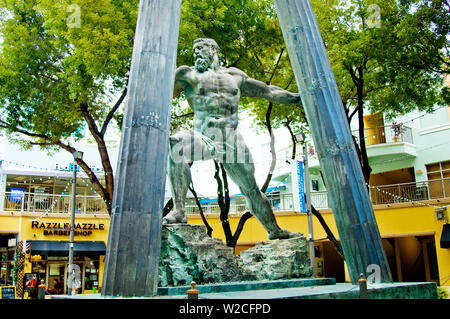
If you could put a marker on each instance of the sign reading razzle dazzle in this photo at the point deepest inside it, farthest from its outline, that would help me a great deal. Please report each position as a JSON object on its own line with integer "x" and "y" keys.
{"x": 63, "y": 229}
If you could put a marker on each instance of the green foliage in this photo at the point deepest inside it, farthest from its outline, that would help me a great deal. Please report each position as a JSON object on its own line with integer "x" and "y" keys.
{"x": 48, "y": 69}
{"x": 442, "y": 293}
{"x": 398, "y": 56}
{"x": 181, "y": 115}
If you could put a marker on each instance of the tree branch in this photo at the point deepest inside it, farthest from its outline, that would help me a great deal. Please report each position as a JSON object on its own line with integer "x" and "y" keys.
{"x": 106, "y": 195}
{"x": 111, "y": 112}
{"x": 92, "y": 125}
{"x": 352, "y": 114}
{"x": 8, "y": 126}
{"x": 276, "y": 66}
{"x": 182, "y": 115}
{"x": 103, "y": 151}
{"x": 92, "y": 177}
{"x": 294, "y": 140}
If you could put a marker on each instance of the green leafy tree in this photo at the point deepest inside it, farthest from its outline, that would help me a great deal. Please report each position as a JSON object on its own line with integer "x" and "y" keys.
{"x": 61, "y": 64}
{"x": 64, "y": 65}
{"x": 386, "y": 56}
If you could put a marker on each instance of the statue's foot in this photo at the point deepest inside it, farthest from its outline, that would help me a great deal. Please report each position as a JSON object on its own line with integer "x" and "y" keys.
{"x": 175, "y": 217}
{"x": 282, "y": 234}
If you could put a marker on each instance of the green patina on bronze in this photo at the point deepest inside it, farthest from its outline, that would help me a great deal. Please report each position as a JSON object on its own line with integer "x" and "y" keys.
{"x": 213, "y": 93}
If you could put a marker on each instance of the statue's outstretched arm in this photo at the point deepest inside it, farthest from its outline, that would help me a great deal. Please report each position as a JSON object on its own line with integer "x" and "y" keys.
{"x": 255, "y": 88}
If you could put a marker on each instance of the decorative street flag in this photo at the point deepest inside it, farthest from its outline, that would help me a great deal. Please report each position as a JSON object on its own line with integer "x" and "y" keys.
{"x": 301, "y": 186}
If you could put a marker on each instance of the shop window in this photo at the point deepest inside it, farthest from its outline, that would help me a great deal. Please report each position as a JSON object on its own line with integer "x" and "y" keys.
{"x": 7, "y": 253}
{"x": 91, "y": 275}
{"x": 39, "y": 268}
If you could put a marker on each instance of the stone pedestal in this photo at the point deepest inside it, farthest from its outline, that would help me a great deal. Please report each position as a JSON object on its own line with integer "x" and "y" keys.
{"x": 188, "y": 254}
{"x": 279, "y": 259}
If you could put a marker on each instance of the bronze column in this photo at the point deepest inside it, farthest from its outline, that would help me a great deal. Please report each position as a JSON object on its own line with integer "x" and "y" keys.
{"x": 349, "y": 197}
{"x": 132, "y": 257}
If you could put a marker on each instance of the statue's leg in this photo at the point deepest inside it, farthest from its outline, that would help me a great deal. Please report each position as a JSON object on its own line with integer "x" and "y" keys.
{"x": 243, "y": 174}
{"x": 185, "y": 147}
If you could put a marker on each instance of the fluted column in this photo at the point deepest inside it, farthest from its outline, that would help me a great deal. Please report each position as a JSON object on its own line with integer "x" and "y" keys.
{"x": 349, "y": 197}
{"x": 132, "y": 257}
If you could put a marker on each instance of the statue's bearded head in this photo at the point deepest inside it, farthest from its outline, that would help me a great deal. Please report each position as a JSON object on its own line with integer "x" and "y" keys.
{"x": 206, "y": 54}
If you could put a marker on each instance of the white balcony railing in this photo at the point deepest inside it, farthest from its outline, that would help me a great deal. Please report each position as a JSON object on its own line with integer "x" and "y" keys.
{"x": 385, "y": 134}
{"x": 385, "y": 194}
{"x": 51, "y": 203}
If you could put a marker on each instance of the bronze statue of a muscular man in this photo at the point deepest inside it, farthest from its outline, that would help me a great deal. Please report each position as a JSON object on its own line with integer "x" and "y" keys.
{"x": 213, "y": 93}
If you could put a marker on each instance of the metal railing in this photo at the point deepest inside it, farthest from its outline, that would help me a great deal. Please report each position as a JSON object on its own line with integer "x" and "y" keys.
{"x": 278, "y": 202}
{"x": 51, "y": 203}
{"x": 384, "y": 194}
{"x": 384, "y": 135}
{"x": 407, "y": 192}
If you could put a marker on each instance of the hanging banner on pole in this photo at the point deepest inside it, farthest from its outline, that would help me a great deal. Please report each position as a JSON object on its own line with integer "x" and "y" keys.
{"x": 301, "y": 186}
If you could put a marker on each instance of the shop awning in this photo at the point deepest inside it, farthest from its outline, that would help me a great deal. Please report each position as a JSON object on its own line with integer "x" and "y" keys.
{"x": 61, "y": 248}
{"x": 445, "y": 237}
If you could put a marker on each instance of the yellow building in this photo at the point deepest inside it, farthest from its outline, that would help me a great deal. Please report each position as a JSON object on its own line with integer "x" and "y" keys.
{"x": 48, "y": 239}
{"x": 411, "y": 236}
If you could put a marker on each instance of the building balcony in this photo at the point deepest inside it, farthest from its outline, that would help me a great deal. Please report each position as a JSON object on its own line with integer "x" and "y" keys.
{"x": 383, "y": 143}
{"x": 410, "y": 192}
{"x": 50, "y": 203}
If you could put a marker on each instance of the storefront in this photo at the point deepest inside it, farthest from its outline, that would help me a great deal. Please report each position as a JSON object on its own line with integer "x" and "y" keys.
{"x": 7, "y": 255}
{"x": 49, "y": 262}
{"x": 37, "y": 246}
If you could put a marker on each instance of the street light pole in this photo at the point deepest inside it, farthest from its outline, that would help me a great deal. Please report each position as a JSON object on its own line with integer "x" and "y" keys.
{"x": 312, "y": 253}
{"x": 71, "y": 270}
{"x": 301, "y": 138}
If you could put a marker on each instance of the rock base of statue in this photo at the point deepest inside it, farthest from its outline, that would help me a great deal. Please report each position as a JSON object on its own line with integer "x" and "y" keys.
{"x": 189, "y": 254}
{"x": 278, "y": 259}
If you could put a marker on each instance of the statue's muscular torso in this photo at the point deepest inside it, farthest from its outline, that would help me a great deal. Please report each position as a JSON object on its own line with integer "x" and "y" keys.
{"x": 213, "y": 95}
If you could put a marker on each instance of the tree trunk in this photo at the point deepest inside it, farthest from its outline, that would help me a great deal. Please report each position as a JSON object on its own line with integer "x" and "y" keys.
{"x": 272, "y": 149}
{"x": 224, "y": 202}
{"x": 209, "y": 229}
{"x": 104, "y": 156}
{"x": 364, "y": 160}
